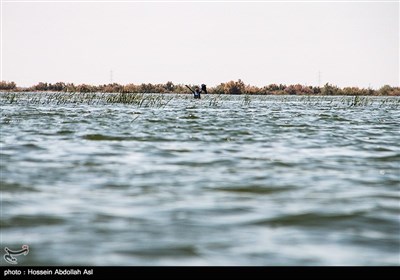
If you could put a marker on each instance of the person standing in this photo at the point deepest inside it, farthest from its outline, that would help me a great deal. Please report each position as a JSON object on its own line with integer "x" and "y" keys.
{"x": 197, "y": 92}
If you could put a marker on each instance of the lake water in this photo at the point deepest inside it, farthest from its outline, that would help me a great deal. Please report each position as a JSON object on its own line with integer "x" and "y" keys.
{"x": 225, "y": 180}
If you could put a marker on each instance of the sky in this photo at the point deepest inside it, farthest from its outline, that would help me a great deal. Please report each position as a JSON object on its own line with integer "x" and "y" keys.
{"x": 311, "y": 43}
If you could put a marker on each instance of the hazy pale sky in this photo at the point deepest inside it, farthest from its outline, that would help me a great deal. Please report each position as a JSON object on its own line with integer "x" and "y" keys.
{"x": 351, "y": 44}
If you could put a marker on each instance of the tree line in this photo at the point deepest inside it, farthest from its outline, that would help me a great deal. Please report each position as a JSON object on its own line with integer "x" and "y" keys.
{"x": 231, "y": 87}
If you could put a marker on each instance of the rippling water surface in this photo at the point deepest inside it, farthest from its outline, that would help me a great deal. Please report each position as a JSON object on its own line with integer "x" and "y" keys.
{"x": 232, "y": 180}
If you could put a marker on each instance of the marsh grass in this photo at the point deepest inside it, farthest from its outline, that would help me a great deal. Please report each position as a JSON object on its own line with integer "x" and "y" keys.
{"x": 246, "y": 100}
{"x": 150, "y": 100}
{"x": 62, "y": 98}
{"x": 215, "y": 100}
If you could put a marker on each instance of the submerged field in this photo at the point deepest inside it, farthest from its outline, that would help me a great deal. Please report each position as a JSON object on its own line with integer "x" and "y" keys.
{"x": 146, "y": 179}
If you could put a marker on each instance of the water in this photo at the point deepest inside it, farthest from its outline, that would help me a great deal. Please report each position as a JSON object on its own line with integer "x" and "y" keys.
{"x": 231, "y": 180}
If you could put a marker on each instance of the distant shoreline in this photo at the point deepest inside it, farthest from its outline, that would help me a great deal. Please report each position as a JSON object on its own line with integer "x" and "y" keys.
{"x": 189, "y": 94}
{"x": 229, "y": 88}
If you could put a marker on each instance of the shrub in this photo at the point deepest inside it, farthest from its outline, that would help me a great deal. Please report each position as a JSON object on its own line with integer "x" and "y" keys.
{"x": 234, "y": 87}
{"x": 330, "y": 90}
{"x": 7, "y": 85}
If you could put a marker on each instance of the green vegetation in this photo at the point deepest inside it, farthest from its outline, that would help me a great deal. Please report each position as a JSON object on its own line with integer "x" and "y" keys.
{"x": 156, "y": 100}
{"x": 231, "y": 87}
{"x": 90, "y": 98}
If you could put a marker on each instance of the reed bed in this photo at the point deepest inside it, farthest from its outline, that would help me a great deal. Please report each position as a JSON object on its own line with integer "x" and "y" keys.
{"x": 213, "y": 100}
{"x": 63, "y": 98}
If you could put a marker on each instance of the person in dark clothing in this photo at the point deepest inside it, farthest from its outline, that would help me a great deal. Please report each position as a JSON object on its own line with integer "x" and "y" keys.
{"x": 204, "y": 88}
{"x": 197, "y": 92}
